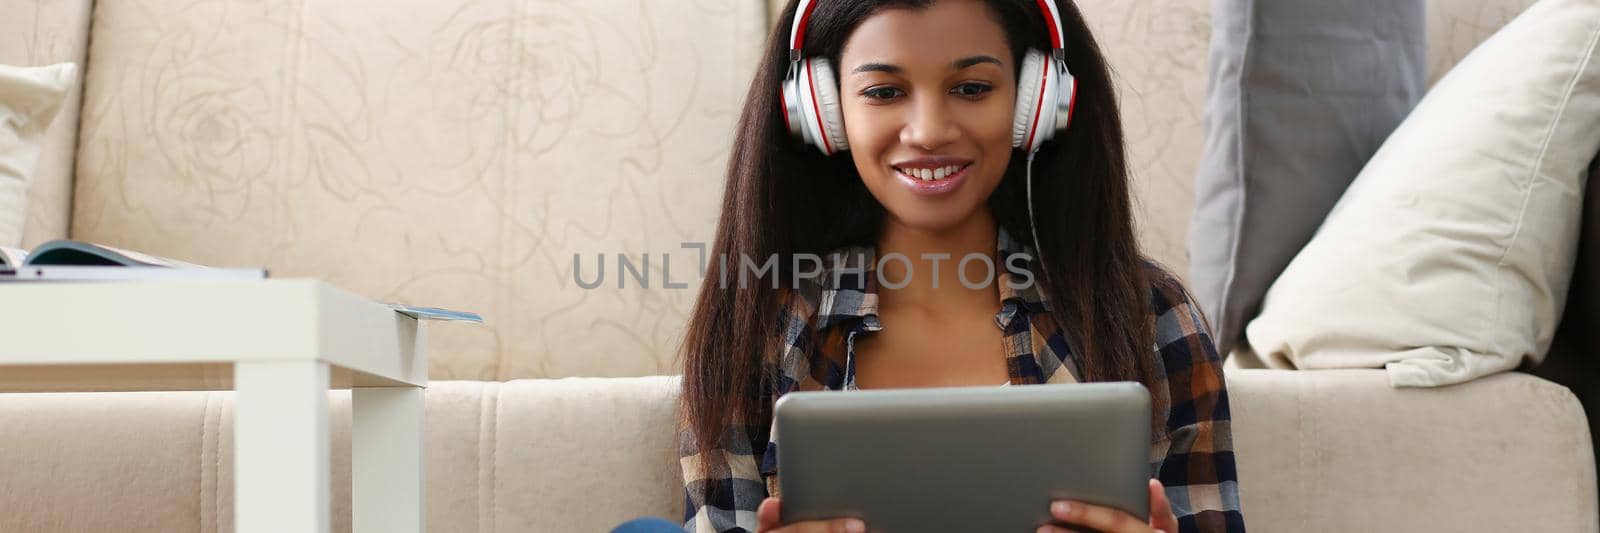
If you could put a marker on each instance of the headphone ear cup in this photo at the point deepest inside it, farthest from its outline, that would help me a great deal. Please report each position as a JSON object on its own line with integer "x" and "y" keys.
{"x": 793, "y": 118}
{"x": 1069, "y": 88}
{"x": 825, "y": 88}
{"x": 1030, "y": 89}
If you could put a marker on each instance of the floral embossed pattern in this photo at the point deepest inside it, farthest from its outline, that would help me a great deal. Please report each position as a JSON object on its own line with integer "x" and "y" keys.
{"x": 1157, "y": 50}
{"x": 455, "y": 154}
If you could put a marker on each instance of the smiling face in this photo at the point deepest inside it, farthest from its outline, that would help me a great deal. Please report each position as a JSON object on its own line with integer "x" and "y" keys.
{"x": 927, "y": 98}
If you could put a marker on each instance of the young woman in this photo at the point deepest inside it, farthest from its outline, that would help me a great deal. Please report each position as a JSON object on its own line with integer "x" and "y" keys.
{"x": 917, "y": 144}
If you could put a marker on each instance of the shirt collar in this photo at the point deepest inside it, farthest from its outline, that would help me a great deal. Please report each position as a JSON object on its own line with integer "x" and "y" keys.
{"x": 1019, "y": 257}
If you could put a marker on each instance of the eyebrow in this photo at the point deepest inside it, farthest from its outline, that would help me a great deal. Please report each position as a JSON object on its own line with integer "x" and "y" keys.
{"x": 958, "y": 64}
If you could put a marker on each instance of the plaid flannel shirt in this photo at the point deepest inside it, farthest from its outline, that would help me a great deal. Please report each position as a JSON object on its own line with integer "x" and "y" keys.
{"x": 1192, "y": 452}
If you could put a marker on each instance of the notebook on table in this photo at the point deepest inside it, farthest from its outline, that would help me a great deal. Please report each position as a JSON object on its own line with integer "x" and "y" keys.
{"x": 69, "y": 260}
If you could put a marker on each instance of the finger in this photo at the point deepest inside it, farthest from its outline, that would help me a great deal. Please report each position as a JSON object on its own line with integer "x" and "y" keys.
{"x": 842, "y": 525}
{"x": 1161, "y": 516}
{"x": 1047, "y": 528}
{"x": 848, "y": 525}
{"x": 767, "y": 515}
{"x": 1101, "y": 518}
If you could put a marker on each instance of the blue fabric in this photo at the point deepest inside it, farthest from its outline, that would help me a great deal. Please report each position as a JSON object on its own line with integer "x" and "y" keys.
{"x": 648, "y": 525}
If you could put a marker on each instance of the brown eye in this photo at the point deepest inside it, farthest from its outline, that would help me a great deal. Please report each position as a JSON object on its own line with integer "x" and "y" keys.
{"x": 881, "y": 93}
{"x": 972, "y": 90}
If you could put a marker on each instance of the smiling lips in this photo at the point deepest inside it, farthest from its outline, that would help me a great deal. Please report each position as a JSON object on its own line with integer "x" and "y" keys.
{"x": 934, "y": 175}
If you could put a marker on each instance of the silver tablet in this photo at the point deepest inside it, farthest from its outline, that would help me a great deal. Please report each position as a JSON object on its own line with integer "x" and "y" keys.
{"x": 962, "y": 459}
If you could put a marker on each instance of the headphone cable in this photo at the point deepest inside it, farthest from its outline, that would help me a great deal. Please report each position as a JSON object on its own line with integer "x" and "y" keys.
{"x": 1033, "y": 227}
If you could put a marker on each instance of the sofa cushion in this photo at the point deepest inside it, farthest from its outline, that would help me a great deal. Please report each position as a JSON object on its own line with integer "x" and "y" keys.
{"x": 42, "y": 33}
{"x": 1339, "y": 450}
{"x": 1317, "y": 451}
{"x": 579, "y": 454}
{"x": 527, "y": 455}
{"x": 1449, "y": 257}
{"x": 29, "y": 100}
{"x": 1302, "y": 93}
{"x": 134, "y": 461}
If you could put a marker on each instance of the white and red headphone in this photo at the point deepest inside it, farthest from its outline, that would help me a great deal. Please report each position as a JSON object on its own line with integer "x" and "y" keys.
{"x": 811, "y": 95}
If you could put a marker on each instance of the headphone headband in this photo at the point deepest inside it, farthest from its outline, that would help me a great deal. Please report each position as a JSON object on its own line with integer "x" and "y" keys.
{"x": 797, "y": 35}
{"x": 1052, "y": 20}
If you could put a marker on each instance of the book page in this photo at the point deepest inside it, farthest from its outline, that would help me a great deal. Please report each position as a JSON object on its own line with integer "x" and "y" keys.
{"x": 69, "y": 252}
{"x": 150, "y": 259}
{"x": 12, "y": 256}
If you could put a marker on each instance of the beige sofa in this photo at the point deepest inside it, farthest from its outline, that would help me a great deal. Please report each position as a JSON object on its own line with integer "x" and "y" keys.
{"x": 1318, "y": 451}
{"x": 461, "y": 153}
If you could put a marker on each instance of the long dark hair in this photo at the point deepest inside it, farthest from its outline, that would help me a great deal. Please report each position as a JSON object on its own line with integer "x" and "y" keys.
{"x": 783, "y": 197}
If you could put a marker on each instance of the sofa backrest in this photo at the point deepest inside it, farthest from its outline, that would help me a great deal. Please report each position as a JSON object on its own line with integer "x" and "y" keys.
{"x": 452, "y": 154}
{"x": 463, "y": 154}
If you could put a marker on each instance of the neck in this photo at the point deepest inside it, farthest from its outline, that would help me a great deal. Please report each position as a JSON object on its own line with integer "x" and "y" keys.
{"x": 926, "y": 288}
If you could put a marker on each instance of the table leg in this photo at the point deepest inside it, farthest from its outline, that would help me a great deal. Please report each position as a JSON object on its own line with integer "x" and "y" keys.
{"x": 386, "y": 459}
{"x": 280, "y": 446}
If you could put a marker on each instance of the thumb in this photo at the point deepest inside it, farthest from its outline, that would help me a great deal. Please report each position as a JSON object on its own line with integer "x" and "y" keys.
{"x": 1160, "y": 509}
{"x": 767, "y": 515}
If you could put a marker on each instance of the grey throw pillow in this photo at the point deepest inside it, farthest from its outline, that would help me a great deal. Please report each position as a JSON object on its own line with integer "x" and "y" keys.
{"x": 1301, "y": 94}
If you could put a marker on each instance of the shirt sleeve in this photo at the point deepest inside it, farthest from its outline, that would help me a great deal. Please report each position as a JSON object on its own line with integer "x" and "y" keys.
{"x": 1197, "y": 466}
{"x": 727, "y": 499}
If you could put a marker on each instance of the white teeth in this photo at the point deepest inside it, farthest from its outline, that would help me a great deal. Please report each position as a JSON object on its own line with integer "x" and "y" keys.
{"x": 931, "y": 174}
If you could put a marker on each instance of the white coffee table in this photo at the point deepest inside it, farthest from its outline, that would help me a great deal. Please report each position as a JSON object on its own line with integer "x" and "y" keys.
{"x": 280, "y": 344}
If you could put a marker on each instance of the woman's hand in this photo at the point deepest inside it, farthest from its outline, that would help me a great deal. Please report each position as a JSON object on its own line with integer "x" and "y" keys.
{"x": 767, "y": 520}
{"x": 1111, "y": 520}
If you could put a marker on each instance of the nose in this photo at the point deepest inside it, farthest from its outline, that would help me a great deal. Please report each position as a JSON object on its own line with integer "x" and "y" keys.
{"x": 931, "y": 125}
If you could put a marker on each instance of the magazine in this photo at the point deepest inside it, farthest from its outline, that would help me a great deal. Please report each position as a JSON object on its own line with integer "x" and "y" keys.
{"x": 434, "y": 313}
{"x": 78, "y": 253}
{"x": 68, "y": 260}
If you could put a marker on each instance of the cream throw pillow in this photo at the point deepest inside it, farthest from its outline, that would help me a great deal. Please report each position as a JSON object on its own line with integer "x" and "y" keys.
{"x": 1450, "y": 255}
{"x": 29, "y": 99}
